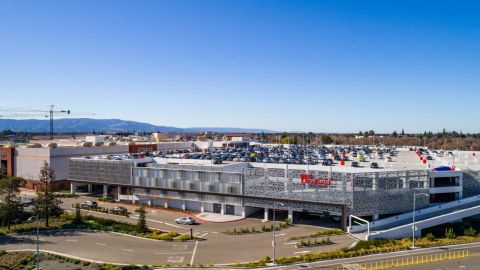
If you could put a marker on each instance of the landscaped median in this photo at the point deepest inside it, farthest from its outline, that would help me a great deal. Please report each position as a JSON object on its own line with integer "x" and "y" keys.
{"x": 264, "y": 228}
{"x": 104, "y": 210}
{"x": 68, "y": 222}
{"x": 374, "y": 246}
{"x": 329, "y": 232}
{"x": 315, "y": 242}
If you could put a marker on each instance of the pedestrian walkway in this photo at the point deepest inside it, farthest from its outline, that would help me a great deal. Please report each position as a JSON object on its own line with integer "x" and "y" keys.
{"x": 214, "y": 217}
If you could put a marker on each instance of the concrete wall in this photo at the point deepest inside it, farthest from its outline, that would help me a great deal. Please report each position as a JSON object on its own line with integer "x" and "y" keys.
{"x": 406, "y": 230}
{"x": 28, "y": 161}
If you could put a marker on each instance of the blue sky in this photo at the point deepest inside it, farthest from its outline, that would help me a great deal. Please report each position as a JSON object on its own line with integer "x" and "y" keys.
{"x": 322, "y": 66}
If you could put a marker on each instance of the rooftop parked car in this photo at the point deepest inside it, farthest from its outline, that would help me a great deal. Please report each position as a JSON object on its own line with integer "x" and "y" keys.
{"x": 355, "y": 164}
{"x": 374, "y": 165}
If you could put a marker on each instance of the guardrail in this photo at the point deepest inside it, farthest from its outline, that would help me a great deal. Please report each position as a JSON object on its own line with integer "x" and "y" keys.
{"x": 415, "y": 260}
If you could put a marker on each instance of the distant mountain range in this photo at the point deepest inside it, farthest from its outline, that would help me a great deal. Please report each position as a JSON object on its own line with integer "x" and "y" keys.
{"x": 82, "y": 125}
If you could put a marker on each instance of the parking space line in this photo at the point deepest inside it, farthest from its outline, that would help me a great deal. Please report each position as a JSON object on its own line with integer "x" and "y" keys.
{"x": 171, "y": 253}
{"x": 203, "y": 235}
{"x": 101, "y": 244}
{"x": 291, "y": 243}
{"x": 193, "y": 253}
{"x": 127, "y": 250}
{"x": 71, "y": 240}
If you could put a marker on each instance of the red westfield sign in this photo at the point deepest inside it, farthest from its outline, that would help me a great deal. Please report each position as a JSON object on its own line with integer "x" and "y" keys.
{"x": 307, "y": 179}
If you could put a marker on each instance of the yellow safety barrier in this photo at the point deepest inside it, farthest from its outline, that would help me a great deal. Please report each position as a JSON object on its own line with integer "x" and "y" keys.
{"x": 414, "y": 260}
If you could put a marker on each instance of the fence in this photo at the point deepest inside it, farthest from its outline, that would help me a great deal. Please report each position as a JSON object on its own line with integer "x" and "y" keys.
{"x": 409, "y": 261}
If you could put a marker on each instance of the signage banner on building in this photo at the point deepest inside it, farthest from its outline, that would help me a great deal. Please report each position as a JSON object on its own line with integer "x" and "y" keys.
{"x": 307, "y": 179}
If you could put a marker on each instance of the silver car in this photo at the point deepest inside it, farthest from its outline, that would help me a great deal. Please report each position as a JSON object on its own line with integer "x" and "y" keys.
{"x": 185, "y": 220}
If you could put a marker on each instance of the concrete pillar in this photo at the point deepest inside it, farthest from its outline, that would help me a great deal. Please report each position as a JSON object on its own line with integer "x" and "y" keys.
{"x": 72, "y": 188}
{"x": 119, "y": 189}
{"x": 405, "y": 181}
{"x": 375, "y": 217}
{"x": 265, "y": 214}
{"x": 105, "y": 191}
{"x": 290, "y": 215}
{"x": 202, "y": 208}
{"x": 244, "y": 214}
{"x": 375, "y": 182}
{"x": 460, "y": 183}
{"x": 149, "y": 203}
{"x": 222, "y": 209}
{"x": 184, "y": 205}
{"x": 89, "y": 188}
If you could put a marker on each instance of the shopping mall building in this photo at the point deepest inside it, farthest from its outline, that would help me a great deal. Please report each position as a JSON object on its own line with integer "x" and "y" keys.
{"x": 243, "y": 188}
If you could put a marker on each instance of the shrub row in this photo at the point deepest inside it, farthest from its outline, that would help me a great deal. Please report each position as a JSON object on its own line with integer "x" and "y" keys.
{"x": 264, "y": 228}
{"x": 102, "y": 224}
{"x": 373, "y": 246}
{"x": 315, "y": 242}
{"x": 104, "y": 210}
{"x": 65, "y": 195}
{"x": 329, "y": 232}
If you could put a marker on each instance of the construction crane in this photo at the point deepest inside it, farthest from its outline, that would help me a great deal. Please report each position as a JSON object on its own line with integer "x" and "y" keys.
{"x": 27, "y": 112}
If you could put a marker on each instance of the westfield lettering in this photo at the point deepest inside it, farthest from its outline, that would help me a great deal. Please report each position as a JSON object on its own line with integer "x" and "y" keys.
{"x": 307, "y": 179}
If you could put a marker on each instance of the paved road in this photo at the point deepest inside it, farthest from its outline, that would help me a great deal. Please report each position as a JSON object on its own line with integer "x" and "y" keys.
{"x": 218, "y": 248}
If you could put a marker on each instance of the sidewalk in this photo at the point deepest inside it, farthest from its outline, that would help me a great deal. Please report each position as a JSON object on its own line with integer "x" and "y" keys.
{"x": 217, "y": 218}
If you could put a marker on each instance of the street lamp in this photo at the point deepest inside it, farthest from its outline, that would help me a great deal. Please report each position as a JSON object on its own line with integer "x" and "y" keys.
{"x": 273, "y": 230}
{"x": 413, "y": 223}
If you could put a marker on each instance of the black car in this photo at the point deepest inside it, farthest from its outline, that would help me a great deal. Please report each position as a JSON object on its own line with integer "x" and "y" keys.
{"x": 355, "y": 164}
{"x": 429, "y": 158}
{"x": 374, "y": 165}
{"x": 90, "y": 204}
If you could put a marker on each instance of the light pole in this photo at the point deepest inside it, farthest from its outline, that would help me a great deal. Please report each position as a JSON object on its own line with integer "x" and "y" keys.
{"x": 273, "y": 230}
{"x": 38, "y": 244}
{"x": 413, "y": 223}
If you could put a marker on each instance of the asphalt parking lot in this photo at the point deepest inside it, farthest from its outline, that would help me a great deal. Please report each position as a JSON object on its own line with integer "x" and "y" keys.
{"x": 105, "y": 247}
{"x": 218, "y": 248}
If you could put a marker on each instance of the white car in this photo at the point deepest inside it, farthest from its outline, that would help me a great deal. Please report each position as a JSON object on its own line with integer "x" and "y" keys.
{"x": 185, "y": 220}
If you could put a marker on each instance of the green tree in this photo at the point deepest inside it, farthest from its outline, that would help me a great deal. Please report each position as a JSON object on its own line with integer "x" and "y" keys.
{"x": 47, "y": 205}
{"x": 3, "y": 172}
{"x": 10, "y": 202}
{"x": 394, "y": 134}
{"x": 141, "y": 223}
{"x": 326, "y": 139}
